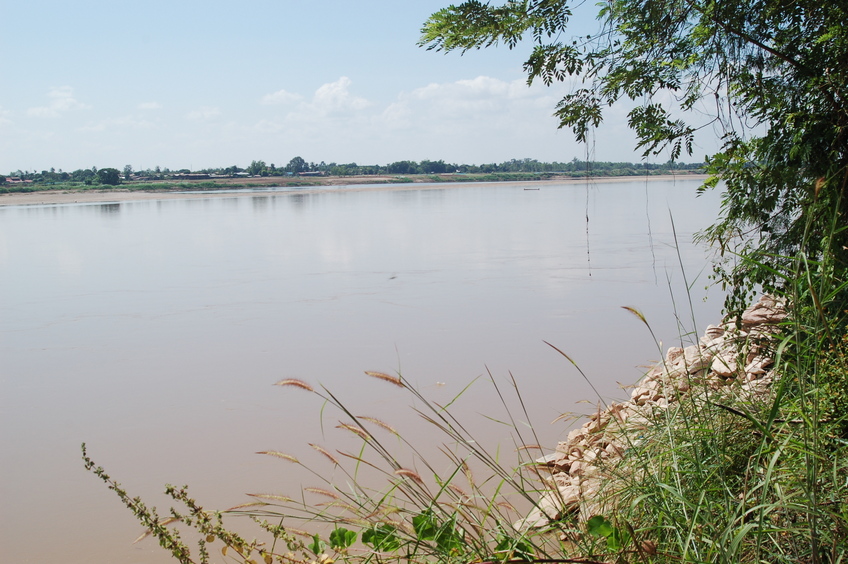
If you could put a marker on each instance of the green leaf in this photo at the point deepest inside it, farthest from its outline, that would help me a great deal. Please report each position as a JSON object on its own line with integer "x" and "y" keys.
{"x": 341, "y": 538}
{"x": 509, "y": 548}
{"x": 618, "y": 539}
{"x": 425, "y": 525}
{"x": 317, "y": 546}
{"x": 599, "y": 526}
{"x": 449, "y": 539}
{"x": 382, "y": 537}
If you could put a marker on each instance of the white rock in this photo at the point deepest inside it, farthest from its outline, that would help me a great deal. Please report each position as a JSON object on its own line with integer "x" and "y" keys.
{"x": 673, "y": 354}
{"x": 724, "y": 366}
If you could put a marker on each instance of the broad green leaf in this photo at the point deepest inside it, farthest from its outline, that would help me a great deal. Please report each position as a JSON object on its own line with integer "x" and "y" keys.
{"x": 317, "y": 546}
{"x": 382, "y": 537}
{"x": 599, "y": 526}
{"x": 341, "y": 538}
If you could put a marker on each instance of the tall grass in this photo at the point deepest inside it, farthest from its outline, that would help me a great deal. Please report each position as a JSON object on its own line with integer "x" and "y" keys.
{"x": 461, "y": 507}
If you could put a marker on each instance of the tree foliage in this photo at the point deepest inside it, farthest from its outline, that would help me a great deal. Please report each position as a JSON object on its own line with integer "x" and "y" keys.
{"x": 297, "y": 165}
{"x": 111, "y": 176}
{"x": 770, "y": 75}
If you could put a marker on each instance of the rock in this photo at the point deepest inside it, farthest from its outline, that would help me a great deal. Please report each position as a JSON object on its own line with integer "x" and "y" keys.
{"x": 697, "y": 358}
{"x": 673, "y": 354}
{"x": 577, "y": 468}
{"x": 758, "y": 365}
{"x": 714, "y": 332}
{"x": 765, "y": 312}
{"x": 599, "y": 442}
{"x": 724, "y": 366}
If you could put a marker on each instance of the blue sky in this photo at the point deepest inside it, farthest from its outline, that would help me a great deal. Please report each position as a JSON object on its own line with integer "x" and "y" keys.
{"x": 191, "y": 84}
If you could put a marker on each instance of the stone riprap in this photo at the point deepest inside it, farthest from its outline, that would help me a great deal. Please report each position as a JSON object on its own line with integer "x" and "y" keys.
{"x": 726, "y": 355}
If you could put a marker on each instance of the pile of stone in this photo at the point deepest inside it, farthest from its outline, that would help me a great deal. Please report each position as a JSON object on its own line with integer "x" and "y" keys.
{"x": 727, "y": 355}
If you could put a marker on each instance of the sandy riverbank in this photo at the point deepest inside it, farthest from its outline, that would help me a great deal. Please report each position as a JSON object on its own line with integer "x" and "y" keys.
{"x": 58, "y": 197}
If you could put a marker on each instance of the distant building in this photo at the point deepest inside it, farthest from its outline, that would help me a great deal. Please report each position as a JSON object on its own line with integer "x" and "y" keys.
{"x": 190, "y": 176}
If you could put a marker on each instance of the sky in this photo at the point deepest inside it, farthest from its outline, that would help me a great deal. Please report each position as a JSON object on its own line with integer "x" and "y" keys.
{"x": 191, "y": 84}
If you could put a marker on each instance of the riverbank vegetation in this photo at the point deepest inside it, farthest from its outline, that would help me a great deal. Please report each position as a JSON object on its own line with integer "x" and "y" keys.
{"x": 719, "y": 475}
{"x": 301, "y": 173}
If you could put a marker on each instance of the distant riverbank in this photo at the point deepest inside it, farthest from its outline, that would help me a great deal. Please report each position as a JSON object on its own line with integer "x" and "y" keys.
{"x": 315, "y": 185}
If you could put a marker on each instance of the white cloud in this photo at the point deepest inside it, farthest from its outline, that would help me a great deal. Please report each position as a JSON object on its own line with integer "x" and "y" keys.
{"x": 331, "y": 107}
{"x": 336, "y": 96}
{"x": 125, "y": 122}
{"x": 61, "y": 100}
{"x": 149, "y": 106}
{"x": 204, "y": 113}
{"x": 280, "y": 97}
{"x": 480, "y": 101}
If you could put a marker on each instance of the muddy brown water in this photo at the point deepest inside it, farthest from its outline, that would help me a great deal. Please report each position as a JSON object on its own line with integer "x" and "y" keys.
{"x": 154, "y": 330}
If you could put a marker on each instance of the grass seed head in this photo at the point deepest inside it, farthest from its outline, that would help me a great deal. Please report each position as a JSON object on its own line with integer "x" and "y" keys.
{"x": 323, "y": 451}
{"x": 296, "y": 383}
{"x": 386, "y": 378}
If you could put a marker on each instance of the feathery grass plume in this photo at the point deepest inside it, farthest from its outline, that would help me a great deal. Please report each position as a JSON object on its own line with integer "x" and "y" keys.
{"x": 296, "y": 383}
{"x": 508, "y": 506}
{"x": 322, "y": 491}
{"x": 340, "y": 504}
{"x": 162, "y": 523}
{"x": 529, "y": 447}
{"x": 323, "y": 451}
{"x": 567, "y": 416}
{"x": 278, "y": 454}
{"x": 382, "y": 511}
{"x": 299, "y": 532}
{"x": 406, "y": 473}
{"x": 402, "y": 525}
{"x": 272, "y": 497}
{"x": 458, "y": 491}
{"x": 245, "y": 506}
{"x": 381, "y": 424}
{"x": 538, "y": 469}
{"x": 359, "y": 522}
{"x": 386, "y": 378}
{"x": 636, "y": 312}
{"x": 362, "y": 433}
{"x": 466, "y": 469}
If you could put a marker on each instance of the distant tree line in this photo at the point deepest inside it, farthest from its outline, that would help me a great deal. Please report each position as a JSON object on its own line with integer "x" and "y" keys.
{"x": 299, "y": 166}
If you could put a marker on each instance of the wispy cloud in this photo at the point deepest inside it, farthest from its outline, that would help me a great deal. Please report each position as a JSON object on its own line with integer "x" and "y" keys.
{"x": 4, "y": 116}
{"x": 330, "y": 107}
{"x": 149, "y": 106}
{"x": 479, "y": 101}
{"x": 125, "y": 122}
{"x": 204, "y": 113}
{"x": 61, "y": 100}
{"x": 280, "y": 97}
{"x": 336, "y": 97}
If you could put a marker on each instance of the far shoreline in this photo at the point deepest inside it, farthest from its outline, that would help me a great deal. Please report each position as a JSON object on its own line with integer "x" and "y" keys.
{"x": 329, "y": 185}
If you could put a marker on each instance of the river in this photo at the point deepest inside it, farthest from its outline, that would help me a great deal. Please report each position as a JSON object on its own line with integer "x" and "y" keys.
{"x": 155, "y": 330}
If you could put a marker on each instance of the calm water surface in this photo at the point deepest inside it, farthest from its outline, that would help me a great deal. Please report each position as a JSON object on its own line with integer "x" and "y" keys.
{"x": 154, "y": 330}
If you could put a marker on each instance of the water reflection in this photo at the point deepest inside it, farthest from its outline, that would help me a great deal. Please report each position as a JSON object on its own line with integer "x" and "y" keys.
{"x": 260, "y": 203}
{"x": 110, "y": 209}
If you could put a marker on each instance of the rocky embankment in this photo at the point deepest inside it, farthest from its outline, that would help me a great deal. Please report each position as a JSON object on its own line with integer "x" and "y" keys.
{"x": 725, "y": 356}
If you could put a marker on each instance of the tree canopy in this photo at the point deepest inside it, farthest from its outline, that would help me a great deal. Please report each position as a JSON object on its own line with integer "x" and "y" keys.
{"x": 111, "y": 176}
{"x": 770, "y": 75}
